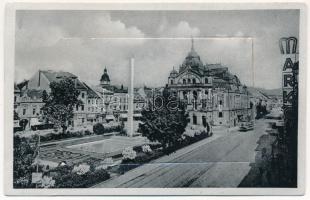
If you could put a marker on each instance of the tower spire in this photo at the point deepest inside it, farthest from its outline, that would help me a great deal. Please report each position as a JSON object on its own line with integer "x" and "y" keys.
{"x": 192, "y": 43}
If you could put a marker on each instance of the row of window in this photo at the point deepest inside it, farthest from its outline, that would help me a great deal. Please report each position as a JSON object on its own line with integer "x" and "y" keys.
{"x": 34, "y": 111}
{"x": 204, "y": 118}
{"x": 190, "y": 81}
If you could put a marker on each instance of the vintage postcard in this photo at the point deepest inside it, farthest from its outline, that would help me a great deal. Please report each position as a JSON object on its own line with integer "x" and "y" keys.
{"x": 177, "y": 99}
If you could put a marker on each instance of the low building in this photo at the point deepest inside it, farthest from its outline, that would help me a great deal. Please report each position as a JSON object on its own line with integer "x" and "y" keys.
{"x": 31, "y": 92}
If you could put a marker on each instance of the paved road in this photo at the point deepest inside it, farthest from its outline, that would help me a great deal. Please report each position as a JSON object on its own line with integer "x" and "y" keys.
{"x": 220, "y": 161}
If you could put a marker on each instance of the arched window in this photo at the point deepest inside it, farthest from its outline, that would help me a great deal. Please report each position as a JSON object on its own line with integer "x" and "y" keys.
{"x": 189, "y": 80}
{"x": 206, "y": 80}
{"x": 194, "y": 81}
{"x": 184, "y": 95}
{"x": 171, "y": 82}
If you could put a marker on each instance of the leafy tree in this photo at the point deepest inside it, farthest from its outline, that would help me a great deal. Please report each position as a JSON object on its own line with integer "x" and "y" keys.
{"x": 23, "y": 158}
{"x": 98, "y": 129}
{"x": 59, "y": 104}
{"x": 164, "y": 125}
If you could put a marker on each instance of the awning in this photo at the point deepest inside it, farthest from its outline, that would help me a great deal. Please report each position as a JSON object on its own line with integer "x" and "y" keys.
{"x": 34, "y": 121}
{"x": 137, "y": 115}
{"x": 91, "y": 116}
{"x": 110, "y": 117}
{"x": 123, "y": 115}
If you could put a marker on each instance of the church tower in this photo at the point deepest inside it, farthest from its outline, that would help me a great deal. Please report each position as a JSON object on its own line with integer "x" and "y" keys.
{"x": 105, "y": 79}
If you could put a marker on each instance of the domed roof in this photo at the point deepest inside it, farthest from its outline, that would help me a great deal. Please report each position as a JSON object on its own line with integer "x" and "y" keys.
{"x": 192, "y": 59}
{"x": 105, "y": 77}
{"x": 173, "y": 73}
{"x": 193, "y": 54}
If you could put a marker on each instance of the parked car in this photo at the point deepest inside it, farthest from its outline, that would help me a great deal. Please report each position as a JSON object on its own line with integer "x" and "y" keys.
{"x": 246, "y": 126}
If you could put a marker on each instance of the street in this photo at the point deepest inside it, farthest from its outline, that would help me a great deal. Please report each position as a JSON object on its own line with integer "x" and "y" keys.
{"x": 219, "y": 161}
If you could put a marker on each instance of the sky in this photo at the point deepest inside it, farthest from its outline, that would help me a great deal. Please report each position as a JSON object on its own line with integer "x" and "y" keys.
{"x": 85, "y": 42}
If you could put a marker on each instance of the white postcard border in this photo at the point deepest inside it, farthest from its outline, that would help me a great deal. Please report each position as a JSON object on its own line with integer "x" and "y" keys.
{"x": 8, "y": 100}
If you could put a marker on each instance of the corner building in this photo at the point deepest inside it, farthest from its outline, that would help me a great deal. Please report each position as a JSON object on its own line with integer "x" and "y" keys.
{"x": 210, "y": 92}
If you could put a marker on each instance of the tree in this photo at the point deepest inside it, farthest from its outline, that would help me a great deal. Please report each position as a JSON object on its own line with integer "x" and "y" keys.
{"x": 23, "y": 158}
{"x": 59, "y": 104}
{"x": 98, "y": 129}
{"x": 164, "y": 125}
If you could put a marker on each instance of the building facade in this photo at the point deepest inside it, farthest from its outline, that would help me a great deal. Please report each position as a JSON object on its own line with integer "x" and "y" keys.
{"x": 116, "y": 99}
{"x": 29, "y": 98}
{"x": 211, "y": 93}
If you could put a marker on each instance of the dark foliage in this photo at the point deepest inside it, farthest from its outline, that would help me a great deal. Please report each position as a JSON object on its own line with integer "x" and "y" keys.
{"x": 261, "y": 110}
{"x": 66, "y": 179}
{"x": 98, "y": 129}
{"x": 22, "y": 160}
{"x": 23, "y": 123}
{"x": 59, "y": 104}
{"x": 164, "y": 125}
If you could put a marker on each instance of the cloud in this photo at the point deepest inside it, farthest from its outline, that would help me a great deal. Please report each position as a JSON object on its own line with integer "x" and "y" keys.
{"x": 102, "y": 26}
{"x": 79, "y": 43}
{"x": 84, "y": 42}
{"x": 182, "y": 29}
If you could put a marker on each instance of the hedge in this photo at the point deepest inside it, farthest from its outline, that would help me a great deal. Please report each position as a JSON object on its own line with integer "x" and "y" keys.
{"x": 66, "y": 179}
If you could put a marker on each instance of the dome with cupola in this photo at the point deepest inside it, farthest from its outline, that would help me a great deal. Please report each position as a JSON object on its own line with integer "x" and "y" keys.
{"x": 105, "y": 79}
{"x": 192, "y": 59}
{"x": 173, "y": 73}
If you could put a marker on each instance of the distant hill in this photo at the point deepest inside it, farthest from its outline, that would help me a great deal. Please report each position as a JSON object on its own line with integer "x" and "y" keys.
{"x": 265, "y": 92}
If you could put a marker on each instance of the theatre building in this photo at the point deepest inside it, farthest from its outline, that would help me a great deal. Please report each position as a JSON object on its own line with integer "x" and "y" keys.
{"x": 211, "y": 93}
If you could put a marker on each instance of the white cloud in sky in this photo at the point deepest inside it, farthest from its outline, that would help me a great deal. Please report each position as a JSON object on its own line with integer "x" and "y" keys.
{"x": 84, "y": 42}
{"x": 182, "y": 29}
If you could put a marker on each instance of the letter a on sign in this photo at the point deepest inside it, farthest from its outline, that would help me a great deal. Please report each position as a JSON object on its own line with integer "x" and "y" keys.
{"x": 288, "y": 64}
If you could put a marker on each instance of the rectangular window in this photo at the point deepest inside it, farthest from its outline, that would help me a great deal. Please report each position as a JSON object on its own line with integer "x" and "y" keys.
{"x": 220, "y": 114}
{"x": 83, "y": 95}
{"x": 34, "y": 111}
{"x": 77, "y": 107}
{"x": 82, "y": 107}
{"x": 24, "y": 111}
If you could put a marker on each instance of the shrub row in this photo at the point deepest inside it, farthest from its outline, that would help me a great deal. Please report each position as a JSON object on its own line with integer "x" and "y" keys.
{"x": 98, "y": 129}
{"x": 73, "y": 180}
{"x": 157, "y": 152}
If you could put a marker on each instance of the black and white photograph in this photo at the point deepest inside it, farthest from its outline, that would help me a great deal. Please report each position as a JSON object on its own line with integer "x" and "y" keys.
{"x": 163, "y": 98}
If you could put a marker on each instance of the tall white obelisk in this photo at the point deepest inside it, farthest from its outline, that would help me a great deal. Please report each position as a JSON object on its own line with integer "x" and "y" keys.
{"x": 130, "y": 130}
